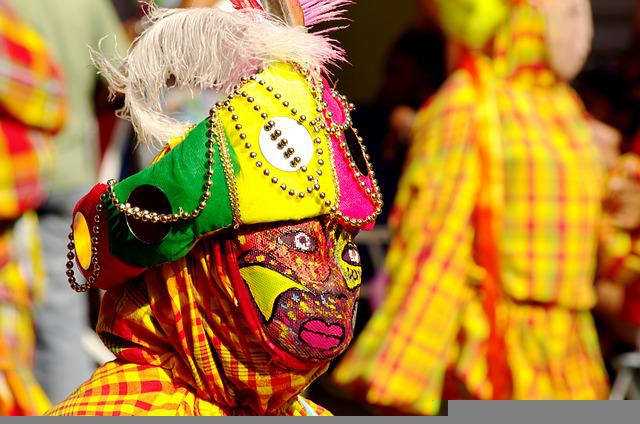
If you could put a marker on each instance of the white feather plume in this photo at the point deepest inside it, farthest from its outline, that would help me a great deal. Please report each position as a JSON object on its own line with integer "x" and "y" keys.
{"x": 202, "y": 48}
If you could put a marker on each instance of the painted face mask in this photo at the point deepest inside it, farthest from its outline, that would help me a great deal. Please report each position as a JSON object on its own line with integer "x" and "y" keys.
{"x": 299, "y": 287}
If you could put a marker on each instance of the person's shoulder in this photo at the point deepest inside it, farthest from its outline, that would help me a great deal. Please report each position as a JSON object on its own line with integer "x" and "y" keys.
{"x": 119, "y": 388}
{"x": 457, "y": 91}
{"x": 455, "y": 100}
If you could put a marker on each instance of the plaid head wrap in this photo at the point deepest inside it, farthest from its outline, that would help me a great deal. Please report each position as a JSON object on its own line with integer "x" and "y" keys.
{"x": 184, "y": 347}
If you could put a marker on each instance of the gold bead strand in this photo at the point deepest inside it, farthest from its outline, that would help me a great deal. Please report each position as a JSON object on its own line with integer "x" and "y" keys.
{"x": 95, "y": 265}
{"x": 150, "y": 216}
{"x": 228, "y": 172}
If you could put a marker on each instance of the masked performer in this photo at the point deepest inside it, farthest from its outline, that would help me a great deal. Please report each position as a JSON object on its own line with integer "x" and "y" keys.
{"x": 492, "y": 263}
{"x": 231, "y": 274}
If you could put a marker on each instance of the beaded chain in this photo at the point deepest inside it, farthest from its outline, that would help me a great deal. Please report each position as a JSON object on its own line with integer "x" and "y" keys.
{"x": 142, "y": 214}
{"x": 149, "y": 216}
{"x": 276, "y": 136}
{"x": 316, "y": 125}
{"x": 73, "y": 283}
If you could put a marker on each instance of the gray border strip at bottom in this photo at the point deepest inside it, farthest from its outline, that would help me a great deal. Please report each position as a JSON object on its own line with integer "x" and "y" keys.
{"x": 460, "y": 412}
{"x": 538, "y": 412}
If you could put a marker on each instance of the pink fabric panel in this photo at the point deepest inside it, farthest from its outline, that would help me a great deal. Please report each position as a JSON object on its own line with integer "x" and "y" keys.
{"x": 354, "y": 201}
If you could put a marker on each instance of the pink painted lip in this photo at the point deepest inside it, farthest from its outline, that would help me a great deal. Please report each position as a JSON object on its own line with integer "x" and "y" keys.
{"x": 320, "y": 335}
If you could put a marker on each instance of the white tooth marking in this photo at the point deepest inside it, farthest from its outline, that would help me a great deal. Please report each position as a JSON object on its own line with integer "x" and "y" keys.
{"x": 298, "y": 139}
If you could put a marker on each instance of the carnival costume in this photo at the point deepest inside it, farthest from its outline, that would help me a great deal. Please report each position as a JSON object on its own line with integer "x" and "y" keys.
{"x": 491, "y": 267}
{"x": 232, "y": 278}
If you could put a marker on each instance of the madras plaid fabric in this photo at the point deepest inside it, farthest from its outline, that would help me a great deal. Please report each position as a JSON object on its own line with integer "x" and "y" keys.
{"x": 183, "y": 347}
{"x": 125, "y": 389}
{"x": 32, "y": 105}
{"x": 24, "y": 156}
{"x": 436, "y": 328}
{"x": 553, "y": 352}
{"x": 20, "y": 283}
{"x": 553, "y": 177}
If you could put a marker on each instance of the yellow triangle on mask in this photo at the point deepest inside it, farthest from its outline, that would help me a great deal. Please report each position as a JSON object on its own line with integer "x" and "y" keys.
{"x": 265, "y": 286}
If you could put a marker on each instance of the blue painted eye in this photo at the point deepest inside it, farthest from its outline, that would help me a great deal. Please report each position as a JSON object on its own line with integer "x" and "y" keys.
{"x": 300, "y": 241}
{"x": 351, "y": 255}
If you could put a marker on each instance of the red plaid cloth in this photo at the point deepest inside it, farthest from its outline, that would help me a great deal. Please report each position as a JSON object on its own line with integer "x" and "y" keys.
{"x": 184, "y": 348}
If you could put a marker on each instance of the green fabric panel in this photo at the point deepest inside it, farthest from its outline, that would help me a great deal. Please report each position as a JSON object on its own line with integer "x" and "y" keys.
{"x": 180, "y": 174}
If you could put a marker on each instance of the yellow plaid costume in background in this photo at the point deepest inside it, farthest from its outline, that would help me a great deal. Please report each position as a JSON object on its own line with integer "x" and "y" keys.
{"x": 21, "y": 284}
{"x": 506, "y": 132}
{"x": 32, "y": 108}
{"x": 184, "y": 348}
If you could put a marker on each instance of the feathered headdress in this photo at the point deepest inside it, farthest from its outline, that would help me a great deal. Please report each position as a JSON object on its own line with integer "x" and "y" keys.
{"x": 313, "y": 12}
{"x": 280, "y": 147}
{"x": 211, "y": 48}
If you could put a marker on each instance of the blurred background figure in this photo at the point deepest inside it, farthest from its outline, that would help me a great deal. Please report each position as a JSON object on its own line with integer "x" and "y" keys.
{"x": 32, "y": 110}
{"x": 409, "y": 63}
{"x": 495, "y": 225}
{"x": 62, "y": 321}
